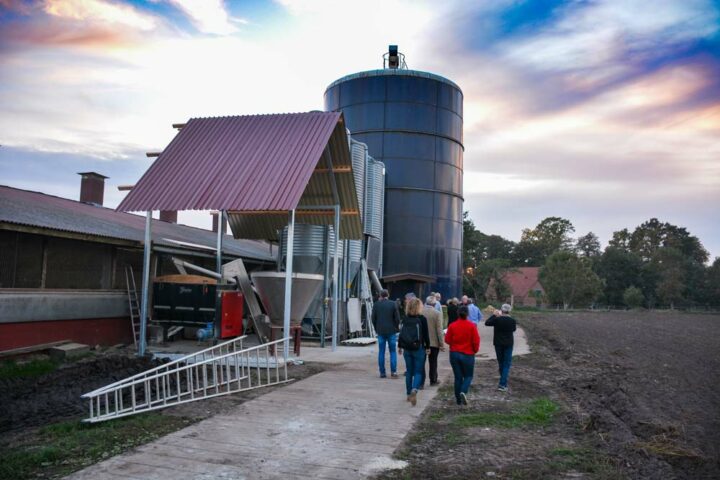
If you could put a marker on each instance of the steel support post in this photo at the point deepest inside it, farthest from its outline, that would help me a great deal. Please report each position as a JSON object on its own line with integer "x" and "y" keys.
{"x": 336, "y": 280}
{"x": 288, "y": 283}
{"x": 145, "y": 284}
{"x": 326, "y": 284}
{"x": 220, "y": 234}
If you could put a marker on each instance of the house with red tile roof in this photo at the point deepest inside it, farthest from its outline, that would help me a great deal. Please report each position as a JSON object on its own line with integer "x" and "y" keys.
{"x": 523, "y": 286}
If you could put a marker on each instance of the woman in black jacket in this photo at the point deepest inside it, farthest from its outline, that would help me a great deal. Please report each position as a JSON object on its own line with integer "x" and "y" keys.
{"x": 452, "y": 310}
{"x": 414, "y": 343}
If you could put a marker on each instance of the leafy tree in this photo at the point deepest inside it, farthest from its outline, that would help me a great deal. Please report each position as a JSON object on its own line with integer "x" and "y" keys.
{"x": 653, "y": 235}
{"x": 620, "y": 240}
{"x": 471, "y": 243}
{"x": 588, "y": 246}
{"x": 493, "y": 247}
{"x": 549, "y": 236}
{"x": 633, "y": 297}
{"x": 569, "y": 280}
{"x": 486, "y": 258}
{"x": 712, "y": 282}
{"x": 487, "y": 277}
{"x": 669, "y": 264}
{"x": 619, "y": 270}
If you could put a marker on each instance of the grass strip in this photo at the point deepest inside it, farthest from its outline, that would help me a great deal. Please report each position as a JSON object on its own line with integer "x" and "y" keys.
{"x": 65, "y": 447}
{"x": 35, "y": 368}
{"x": 539, "y": 412}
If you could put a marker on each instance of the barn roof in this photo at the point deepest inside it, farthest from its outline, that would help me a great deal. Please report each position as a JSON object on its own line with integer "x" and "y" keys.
{"x": 257, "y": 168}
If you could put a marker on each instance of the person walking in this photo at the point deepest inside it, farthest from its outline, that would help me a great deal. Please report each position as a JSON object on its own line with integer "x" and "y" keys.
{"x": 414, "y": 343}
{"x": 386, "y": 320}
{"x": 438, "y": 302}
{"x": 504, "y": 327}
{"x": 435, "y": 330}
{"x": 452, "y": 310}
{"x": 464, "y": 340}
{"x": 474, "y": 313}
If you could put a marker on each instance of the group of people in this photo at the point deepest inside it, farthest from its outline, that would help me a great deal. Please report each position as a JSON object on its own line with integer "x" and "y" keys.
{"x": 415, "y": 330}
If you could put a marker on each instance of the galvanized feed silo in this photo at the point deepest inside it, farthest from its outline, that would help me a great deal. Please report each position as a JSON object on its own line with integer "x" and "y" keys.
{"x": 412, "y": 122}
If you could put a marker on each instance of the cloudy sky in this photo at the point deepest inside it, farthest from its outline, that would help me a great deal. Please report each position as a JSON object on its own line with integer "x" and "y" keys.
{"x": 603, "y": 112}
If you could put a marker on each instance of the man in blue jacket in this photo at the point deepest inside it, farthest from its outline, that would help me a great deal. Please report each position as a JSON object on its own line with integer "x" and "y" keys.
{"x": 386, "y": 320}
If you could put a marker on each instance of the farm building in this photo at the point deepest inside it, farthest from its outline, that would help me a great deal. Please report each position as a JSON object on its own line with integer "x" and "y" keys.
{"x": 63, "y": 264}
{"x": 523, "y": 288}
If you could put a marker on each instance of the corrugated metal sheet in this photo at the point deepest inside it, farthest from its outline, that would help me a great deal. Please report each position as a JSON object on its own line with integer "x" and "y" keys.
{"x": 252, "y": 164}
{"x": 359, "y": 155}
{"x": 33, "y": 209}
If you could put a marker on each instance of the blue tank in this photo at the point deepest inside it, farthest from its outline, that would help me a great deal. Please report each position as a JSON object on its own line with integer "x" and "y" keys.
{"x": 413, "y": 122}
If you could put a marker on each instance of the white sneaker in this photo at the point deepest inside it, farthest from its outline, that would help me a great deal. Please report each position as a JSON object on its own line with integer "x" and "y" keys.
{"x": 463, "y": 398}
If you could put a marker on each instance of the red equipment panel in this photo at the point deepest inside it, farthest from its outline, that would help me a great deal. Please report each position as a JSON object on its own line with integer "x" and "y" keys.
{"x": 231, "y": 323}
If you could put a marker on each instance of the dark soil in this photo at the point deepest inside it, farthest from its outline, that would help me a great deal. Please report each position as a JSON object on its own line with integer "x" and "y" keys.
{"x": 35, "y": 401}
{"x": 637, "y": 395}
{"x": 646, "y": 383}
{"x": 37, "y": 410}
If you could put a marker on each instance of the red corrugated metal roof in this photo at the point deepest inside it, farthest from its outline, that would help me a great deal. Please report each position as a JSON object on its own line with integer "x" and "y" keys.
{"x": 241, "y": 163}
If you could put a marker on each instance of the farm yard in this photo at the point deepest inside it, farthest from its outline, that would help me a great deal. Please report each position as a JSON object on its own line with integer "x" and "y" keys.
{"x": 603, "y": 395}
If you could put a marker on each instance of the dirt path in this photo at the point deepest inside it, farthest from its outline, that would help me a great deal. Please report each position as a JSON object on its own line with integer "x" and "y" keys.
{"x": 613, "y": 395}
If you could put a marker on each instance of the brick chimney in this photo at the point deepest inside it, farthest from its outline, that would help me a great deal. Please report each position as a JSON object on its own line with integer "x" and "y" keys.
{"x": 92, "y": 188}
{"x": 169, "y": 216}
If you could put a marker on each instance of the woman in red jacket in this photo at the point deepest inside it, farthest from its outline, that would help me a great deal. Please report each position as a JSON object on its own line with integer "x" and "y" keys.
{"x": 464, "y": 340}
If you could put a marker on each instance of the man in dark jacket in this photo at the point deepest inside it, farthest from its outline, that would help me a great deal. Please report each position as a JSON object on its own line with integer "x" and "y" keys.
{"x": 503, "y": 329}
{"x": 386, "y": 320}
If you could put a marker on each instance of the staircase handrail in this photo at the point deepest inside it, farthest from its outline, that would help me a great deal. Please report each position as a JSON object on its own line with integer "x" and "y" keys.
{"x": 165, "y": 366}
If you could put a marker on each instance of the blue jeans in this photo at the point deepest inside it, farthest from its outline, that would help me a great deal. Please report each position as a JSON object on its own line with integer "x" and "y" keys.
{"x": 391, "y": 341}
{"x": 463, "y": 366}
{"x": 504, "y": 359}
{"x": 414, "y": 364}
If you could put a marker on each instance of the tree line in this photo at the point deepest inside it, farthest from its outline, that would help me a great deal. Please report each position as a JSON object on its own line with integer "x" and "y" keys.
{"x": 657, "y": 264}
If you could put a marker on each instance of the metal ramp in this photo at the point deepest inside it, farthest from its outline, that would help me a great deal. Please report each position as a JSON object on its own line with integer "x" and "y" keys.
{"x": 220, "y": 370}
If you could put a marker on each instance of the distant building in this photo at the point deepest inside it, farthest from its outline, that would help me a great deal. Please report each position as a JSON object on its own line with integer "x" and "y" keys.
{"x": 523, "y": 286}
{"x": 63, "y": 264}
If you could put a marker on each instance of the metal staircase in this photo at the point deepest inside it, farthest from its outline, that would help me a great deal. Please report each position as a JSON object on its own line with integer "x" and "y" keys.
{"x": 133, "y": 304}
{"x": 220, "y": 370}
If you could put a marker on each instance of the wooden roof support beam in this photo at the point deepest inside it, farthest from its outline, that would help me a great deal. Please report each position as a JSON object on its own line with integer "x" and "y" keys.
{"x": 333, "y": 170}
{"x": 125, "y": 188}
{"x": 178, "y": 125}
{"x": 152, "y": 154}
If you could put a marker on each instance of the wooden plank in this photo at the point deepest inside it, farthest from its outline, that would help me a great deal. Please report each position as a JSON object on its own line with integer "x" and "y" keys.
{"x": 32, "y": 348}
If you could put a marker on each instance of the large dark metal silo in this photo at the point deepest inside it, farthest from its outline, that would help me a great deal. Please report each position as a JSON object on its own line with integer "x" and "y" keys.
{"x": 412, "y": 121}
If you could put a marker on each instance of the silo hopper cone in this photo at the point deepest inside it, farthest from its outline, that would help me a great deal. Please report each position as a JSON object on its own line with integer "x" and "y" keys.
{"x": 271, "y": 289}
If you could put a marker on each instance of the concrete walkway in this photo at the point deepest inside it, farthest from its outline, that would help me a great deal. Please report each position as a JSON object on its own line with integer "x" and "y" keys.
{"x": 343, "y": 423}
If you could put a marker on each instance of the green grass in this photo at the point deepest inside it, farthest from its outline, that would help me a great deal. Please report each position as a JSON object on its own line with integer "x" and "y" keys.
{"x": 583, "y": 460}
{"x": 437, "y": 416}
{"x": 539, "y": 412}
{"x": 564, "y": 460}
{"x": 453, "y": 438}
{"x": 34, "y": 368}
{"x": 64, "y": 447}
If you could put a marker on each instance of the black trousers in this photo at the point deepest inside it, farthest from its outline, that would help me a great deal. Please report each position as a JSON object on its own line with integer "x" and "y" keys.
{"x": 432, "y": 361}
